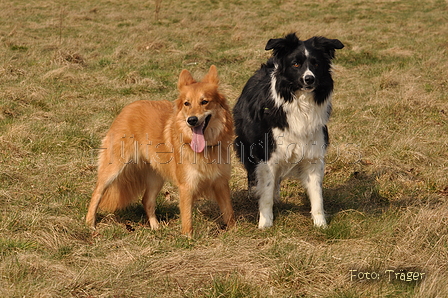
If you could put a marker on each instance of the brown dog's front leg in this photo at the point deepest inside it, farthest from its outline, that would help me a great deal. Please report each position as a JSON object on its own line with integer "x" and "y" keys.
{"x": 186, "y": 210}
{"x": 221, "y": 191}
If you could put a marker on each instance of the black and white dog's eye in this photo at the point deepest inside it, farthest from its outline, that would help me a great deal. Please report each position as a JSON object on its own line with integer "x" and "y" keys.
{"x": 296, "y": 65}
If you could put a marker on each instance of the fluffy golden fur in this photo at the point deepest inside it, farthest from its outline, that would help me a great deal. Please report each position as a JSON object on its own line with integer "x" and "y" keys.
{"x": 153, "y": 141}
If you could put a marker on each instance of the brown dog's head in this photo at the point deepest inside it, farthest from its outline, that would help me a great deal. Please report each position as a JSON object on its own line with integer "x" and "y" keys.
{"x": 201, "y": 109}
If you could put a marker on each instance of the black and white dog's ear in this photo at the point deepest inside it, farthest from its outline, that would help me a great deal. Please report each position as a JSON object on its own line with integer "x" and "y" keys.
{"x": 328, "y": 45}
{"x": 283, "y": 45}
{"x": 275, "y": 43}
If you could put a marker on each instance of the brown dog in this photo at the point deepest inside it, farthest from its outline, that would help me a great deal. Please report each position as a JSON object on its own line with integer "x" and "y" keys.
{"x": 187, "y": 142}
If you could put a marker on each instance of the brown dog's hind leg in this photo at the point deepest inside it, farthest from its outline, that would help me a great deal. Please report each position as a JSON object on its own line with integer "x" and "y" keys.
{"x": 107, "y": 174}
{"x": 154, "y": 185}
{"x": 93, "y": 206}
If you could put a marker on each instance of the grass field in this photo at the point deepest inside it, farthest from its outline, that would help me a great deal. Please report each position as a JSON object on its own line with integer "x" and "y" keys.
{"x": 68, "y": 67}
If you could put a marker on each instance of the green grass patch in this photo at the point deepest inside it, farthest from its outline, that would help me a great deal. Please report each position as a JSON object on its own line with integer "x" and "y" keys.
{"x": 229, "y": 286}
{"x": 11, "y": 246}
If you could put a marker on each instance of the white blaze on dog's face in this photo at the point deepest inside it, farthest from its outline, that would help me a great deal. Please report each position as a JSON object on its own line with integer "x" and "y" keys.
{"x": 304, "y": 67}
{"x": 198, "y": 104}
{"x": 308, "y": 79}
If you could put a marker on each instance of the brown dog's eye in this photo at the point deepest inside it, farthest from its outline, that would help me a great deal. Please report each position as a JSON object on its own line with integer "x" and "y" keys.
{"x": 186, "y": 104}
{"x": 204, "y": 102}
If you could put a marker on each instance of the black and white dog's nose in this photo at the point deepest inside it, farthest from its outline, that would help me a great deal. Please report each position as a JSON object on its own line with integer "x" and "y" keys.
{"x": 309, "y": 79}
{"x": 193, "y": 120}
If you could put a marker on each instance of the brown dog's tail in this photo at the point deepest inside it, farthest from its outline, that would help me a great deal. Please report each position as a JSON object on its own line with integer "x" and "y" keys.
{"x": 118, "y": 185}
{"x": 125, "y": 188}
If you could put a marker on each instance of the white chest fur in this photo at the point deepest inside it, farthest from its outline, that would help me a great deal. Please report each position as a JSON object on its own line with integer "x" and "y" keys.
{"x": 304, "y": 139}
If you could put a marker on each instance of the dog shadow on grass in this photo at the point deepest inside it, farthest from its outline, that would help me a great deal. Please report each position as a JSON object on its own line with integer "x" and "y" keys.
{"x": 168, "y": 212}
{"x": 356, "y": 198}
{"x": 134, "y": 215}
{"x": 358, "y": 194}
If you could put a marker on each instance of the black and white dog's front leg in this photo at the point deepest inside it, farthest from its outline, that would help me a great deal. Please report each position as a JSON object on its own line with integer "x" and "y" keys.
{"x": 312, "y": 174}
{"x": 266, "y": 191}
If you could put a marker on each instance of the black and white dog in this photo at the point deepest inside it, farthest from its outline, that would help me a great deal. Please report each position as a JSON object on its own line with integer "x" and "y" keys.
{"x": 280, "y": 121}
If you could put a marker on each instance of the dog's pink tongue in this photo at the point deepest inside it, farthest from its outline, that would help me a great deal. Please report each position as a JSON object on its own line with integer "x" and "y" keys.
{"x": 198, "y": 140}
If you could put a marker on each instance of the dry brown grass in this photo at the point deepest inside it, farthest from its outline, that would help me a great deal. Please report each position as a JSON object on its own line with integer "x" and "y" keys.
{"x": 67, "y": 69}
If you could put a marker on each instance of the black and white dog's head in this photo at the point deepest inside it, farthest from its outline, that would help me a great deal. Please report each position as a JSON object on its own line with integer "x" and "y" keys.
{"x": 303, "y": 65}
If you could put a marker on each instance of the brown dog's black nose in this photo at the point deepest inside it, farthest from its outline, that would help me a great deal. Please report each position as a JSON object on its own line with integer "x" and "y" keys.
{"x": 193, "y": 120}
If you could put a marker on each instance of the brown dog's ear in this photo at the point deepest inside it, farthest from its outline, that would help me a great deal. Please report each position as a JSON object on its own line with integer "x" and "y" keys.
{"x": 185, "y": 79}
{"x": 212, "y": 76}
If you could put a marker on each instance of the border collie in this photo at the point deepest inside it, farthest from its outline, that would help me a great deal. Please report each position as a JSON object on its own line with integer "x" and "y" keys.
{"x": 280, "y": 121}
